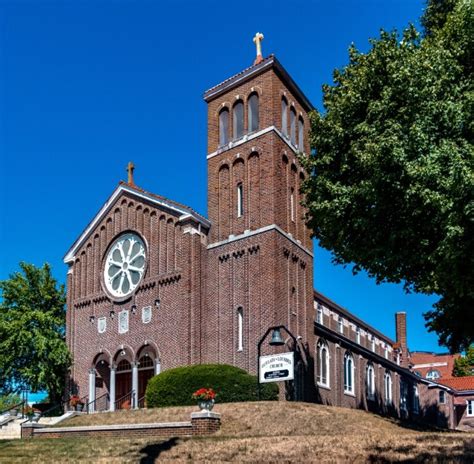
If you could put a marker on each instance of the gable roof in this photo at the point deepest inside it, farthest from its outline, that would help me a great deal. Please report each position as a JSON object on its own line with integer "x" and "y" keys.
{"x": 172, "y": 206}
{"x": 423, "y": 362}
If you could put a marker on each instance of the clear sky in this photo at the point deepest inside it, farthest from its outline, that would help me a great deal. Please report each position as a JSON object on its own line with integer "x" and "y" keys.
{"x": 86, "y": 86}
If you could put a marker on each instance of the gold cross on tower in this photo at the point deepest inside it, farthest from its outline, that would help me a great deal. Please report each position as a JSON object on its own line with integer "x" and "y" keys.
{"x": 257, "y": 40}
{"x": 130, "y": 168}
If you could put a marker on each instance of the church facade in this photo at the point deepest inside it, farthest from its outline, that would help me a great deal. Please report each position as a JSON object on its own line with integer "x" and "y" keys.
{"x": 154, "y": 285}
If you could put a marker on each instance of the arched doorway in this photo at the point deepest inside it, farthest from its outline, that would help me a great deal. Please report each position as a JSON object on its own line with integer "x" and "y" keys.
{"x": 123, "y": 385}
{"x": 146, "y": 370}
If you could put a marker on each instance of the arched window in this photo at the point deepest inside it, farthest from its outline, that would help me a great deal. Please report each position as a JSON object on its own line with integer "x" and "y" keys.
{"x": 370, "y": 381}
{"x": 240, "y": 329}
{"x": 416, "y": 400}
{"x": 238, "y": 116}
{"x": 358, "y": 335}
{"x": 253, "y": 117}
{"x": 340, "y": 325}
{"x": 388, "y": 388}
{"x": 124, "y": 365}
{"x": 372, "y": 343}
{"x": 146, "y": 362}
{"x": 300, "y": 134}
{"x": 284, "y": 116}
{"x": 433, "y": 374}
{"x": 348, "y": 373}
{"x": 403, "y": 395}
{"x": 224, "y": 127}
{"x": 293, "y": 126}
{"x": 323, "y": 364}
{"x": 240, "y": 200}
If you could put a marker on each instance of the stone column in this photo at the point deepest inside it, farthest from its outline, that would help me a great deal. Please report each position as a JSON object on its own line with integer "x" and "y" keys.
{"x": 135, "y": 385}
{"x": 113, "y": 370}
{"x": 91, "y": 390}
{"x": 157, "y": 366}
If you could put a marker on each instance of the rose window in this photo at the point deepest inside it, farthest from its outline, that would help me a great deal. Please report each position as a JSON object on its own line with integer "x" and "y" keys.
{"x": 125, "y": 265}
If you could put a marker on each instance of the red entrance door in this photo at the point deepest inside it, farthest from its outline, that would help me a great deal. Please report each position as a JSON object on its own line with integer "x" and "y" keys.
{"x": 123, "y": 385}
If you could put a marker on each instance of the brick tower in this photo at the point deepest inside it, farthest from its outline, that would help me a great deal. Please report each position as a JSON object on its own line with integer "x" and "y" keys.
{"x": 259, "y": 261}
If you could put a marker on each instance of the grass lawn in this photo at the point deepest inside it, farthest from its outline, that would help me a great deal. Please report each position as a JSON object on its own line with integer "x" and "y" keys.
{"x": 277, "y": 432}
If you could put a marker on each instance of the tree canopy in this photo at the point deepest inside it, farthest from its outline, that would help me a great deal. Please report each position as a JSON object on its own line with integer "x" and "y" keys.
{"x": 391, "y": 185}
{"x": 464, "y": 365}
{"x": 32, "y": 320}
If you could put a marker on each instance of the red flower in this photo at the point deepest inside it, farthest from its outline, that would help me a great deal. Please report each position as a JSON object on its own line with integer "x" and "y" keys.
{"x": 204, "y": 394}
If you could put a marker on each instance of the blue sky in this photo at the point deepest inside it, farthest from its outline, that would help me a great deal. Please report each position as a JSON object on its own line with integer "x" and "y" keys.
{"x": 86, "y": 86}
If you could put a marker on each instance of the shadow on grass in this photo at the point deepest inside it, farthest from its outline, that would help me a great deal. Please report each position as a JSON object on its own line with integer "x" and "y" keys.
{"x": 152, "y": 452}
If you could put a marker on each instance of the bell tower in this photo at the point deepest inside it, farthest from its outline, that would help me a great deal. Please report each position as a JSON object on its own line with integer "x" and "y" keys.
{"x": 260, "y": 261}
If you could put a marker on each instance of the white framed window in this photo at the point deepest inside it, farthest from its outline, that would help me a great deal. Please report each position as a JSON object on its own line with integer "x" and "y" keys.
{"x": 322, "y": 368}
{"x": 470, "y": 408}
{"x": 223, "y": 127}
{"x": 348, "y": 374}
{"x": 300, "y": 134}
{"x": 123, "y": 321}
{"x": 253, "y": 116}
{"x": 442, "y": 397}
{"x": 240, "y": 329}
{"x": 358, "y": 335}
{"x": 293, "y": 126}
{"x": 340, "y": 324}
{"x": 146, "y": 314}
{"x": 388, "y": 388}
{"x": 433, "y": 374}
{"x": 416, "y": 400}
{"x": 240, "y": 200}
{"x": 319, "y": 314}
{"x": 385, "y": 351}
{"x": 370, "y": 381}
{"x": 101, "y": 324}
{"x": 284, "y": 116}
{"x": 372, "y": 343}
{"x": 238, "y": 119}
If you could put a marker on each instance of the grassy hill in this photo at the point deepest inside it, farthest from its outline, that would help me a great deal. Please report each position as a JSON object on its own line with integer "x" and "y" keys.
{"x": 265, "y": 431}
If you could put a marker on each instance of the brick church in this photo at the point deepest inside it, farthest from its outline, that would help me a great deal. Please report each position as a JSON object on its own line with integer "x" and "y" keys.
{"x": 154, "y": 285}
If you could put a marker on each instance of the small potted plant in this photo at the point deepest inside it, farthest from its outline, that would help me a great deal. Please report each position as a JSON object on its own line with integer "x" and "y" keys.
{"x": 76, "y": 403}
{"x": 205, "y": 398}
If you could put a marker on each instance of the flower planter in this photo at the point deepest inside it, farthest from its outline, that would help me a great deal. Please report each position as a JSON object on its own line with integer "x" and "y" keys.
{"x": 206, "y": 405}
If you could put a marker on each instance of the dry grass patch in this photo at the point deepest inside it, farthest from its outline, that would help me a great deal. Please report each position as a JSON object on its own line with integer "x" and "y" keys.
{"x": 257, "y": 432}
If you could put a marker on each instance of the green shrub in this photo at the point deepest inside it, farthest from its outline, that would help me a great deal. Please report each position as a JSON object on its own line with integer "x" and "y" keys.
{"x": 174, "y": 387}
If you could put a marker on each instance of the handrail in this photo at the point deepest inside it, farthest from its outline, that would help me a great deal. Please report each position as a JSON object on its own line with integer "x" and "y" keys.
{"x": 88, "y": 409}
{"x": 15, "y": 406}
{"x": 141, "y": 402}
{"x": 59, "y": 405}
{"x": 130, "y": 395}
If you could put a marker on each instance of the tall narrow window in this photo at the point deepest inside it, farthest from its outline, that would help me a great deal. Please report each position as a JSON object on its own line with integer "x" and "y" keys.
{"x": 240, "y": 329}
{"x": 372, "y": 343}
{"x": 370, "y": 382}
{"x": 385, "y": 351}
{"x": 253, "y": 116}
{"x": 322, "y": 368}
{"x": 292, "y": 204}
{"x": 284, "y": 116}
{"x": 300, "y": 134}
{"x": 319, "y": 317}
{"x": 340, "y": 325}
{"x": 293, "y": 126}
{"x": 388, "y": 388}
{"x": 442, "y": 397}
{"x": 358, "y": 335}
{"x": 240, "y": 200}
{"x": 224, "y": 127}
{"x": 348, "y": 373}
{"x": 470, "y": 408}
{"x": 238, "y": 116}
{"x": 403, "y": 395}
{"x": 416, "y": 400}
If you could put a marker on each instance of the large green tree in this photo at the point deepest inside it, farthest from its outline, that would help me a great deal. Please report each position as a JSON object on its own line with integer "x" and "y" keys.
{"x": 32, "y": 320}
{"x": 464, "y": 365}
{"x": 392, "y": 183}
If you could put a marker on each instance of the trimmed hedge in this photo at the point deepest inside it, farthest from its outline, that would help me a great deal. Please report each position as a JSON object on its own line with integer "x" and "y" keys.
{"x": 174, "y": 387}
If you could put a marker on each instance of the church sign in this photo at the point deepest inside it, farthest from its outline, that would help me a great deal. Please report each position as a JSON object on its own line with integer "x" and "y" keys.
{"x": 277, "y": 367}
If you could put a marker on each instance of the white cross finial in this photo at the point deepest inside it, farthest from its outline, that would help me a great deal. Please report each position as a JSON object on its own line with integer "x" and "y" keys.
{"x": 257, "y": 40}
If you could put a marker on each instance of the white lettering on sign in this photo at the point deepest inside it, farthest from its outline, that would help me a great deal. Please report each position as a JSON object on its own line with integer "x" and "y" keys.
{"x": 276, "y": 368}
